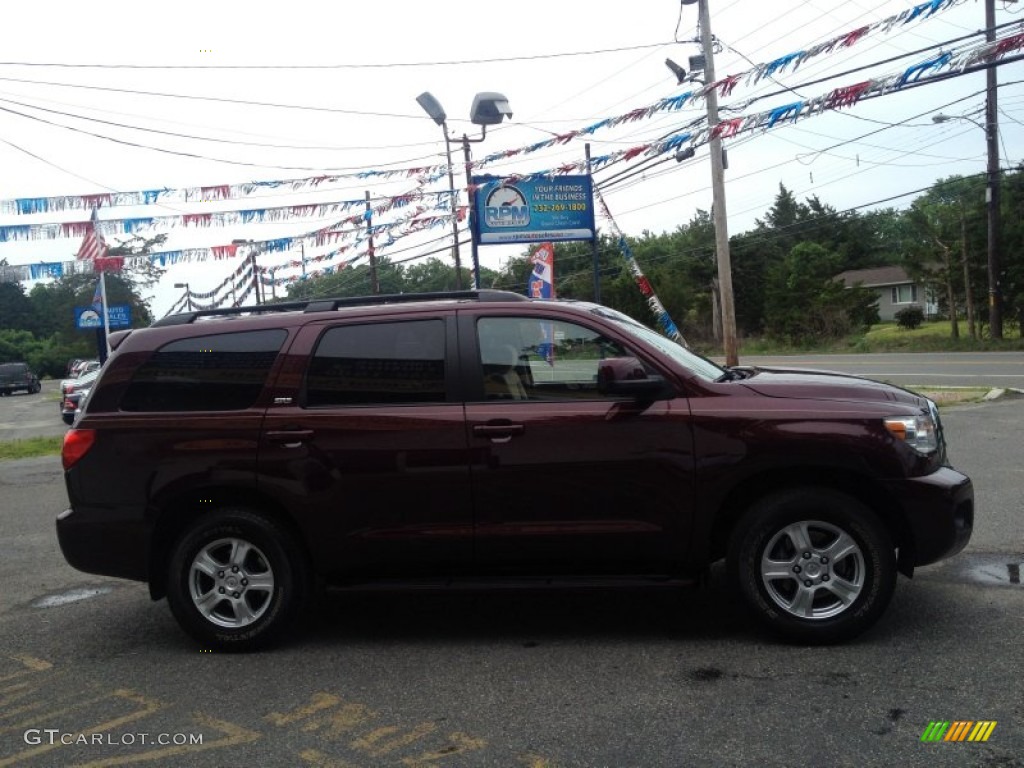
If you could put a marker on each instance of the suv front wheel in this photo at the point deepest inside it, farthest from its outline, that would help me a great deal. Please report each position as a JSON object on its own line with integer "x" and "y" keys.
{"x": 816, "y": 565}
{"x": 236, "y": 580}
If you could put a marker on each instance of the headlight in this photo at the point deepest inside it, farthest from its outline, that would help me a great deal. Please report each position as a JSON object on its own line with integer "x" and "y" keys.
{"x": 919, "y": 432}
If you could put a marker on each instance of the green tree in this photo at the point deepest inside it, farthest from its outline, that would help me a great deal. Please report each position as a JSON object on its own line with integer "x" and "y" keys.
{"x": 16, "y": 310}
{"x": 805, "y": 303}
{"x": 948, "y": 224}
{"x": 434, "y": 275}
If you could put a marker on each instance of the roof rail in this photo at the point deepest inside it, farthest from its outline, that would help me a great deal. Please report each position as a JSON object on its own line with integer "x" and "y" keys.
{"x": 330, "y": 304}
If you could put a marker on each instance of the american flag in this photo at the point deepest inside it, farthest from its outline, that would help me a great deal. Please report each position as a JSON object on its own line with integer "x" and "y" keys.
{"x": 92, "y": 247}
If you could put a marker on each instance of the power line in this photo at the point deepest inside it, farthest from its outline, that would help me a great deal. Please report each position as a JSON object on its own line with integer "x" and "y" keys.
{"x": 628, "y": 174}
{"x": 826, "y": 78}
{"x": 386, "y": 65}
{"x": 194, "y": 155}
{"x": 217, "y": 99}
{"x": 175, "y": 134}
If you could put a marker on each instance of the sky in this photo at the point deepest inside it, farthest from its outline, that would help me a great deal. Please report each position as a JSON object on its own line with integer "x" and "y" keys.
{"x": 159, "y": 84}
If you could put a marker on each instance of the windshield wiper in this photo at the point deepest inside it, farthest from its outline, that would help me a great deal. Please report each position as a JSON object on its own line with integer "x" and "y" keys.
{"x": 732, "y": 374}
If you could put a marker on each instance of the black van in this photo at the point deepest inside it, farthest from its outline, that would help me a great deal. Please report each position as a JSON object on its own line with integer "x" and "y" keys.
{"x": 15, "y": 376}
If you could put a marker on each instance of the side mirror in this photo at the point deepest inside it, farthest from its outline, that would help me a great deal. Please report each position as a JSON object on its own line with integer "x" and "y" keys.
{"x": 627, "y": 376}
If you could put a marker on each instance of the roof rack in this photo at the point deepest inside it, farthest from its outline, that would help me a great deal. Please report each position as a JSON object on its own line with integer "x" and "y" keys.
{"x": 328, "y": 305}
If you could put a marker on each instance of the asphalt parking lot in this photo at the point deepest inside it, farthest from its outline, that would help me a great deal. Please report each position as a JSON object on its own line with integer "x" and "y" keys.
{"x": 94, "y": 673}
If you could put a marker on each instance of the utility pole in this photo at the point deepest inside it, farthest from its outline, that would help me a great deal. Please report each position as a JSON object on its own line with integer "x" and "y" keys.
{"x": 995, "y": 303}
{"x": 374, "y": 282}
{"x": 718, "y": 194}
{"x": 595, "y": 256}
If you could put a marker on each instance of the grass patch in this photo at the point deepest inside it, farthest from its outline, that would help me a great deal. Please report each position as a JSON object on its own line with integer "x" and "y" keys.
{"x": 30, "y": 447}
{"x": 944, "y": 396}
{"x": 888, "y": 337}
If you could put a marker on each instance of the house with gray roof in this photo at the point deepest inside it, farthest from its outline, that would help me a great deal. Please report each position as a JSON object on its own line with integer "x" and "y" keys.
{"x": 895, "y": 289}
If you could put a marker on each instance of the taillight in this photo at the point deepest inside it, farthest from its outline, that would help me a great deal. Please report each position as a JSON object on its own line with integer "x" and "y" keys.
{"x": 77, "y": 443}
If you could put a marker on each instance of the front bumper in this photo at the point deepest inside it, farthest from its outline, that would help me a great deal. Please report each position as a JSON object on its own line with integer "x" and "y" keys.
{"x": 938, "y": 510}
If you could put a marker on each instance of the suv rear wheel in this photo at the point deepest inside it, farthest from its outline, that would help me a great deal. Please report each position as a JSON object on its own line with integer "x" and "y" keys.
{"x": 236, "y": 579}
{"x": 816, "y": 565}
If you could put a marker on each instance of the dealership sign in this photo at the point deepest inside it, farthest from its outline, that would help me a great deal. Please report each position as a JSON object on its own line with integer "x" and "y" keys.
{"x": 118, "y": 316}
{"x": 534, "y": 210}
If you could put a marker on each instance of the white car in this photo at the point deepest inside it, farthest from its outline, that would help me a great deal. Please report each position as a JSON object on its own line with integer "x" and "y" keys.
{"x": 86, "y": 368}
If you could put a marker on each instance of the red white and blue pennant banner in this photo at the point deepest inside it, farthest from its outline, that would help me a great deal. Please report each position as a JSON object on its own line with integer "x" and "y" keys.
{"x": 725, "y": 86}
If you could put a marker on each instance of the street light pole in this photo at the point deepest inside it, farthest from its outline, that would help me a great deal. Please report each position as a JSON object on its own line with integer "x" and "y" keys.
{"x": 473, "y": 247}
{"x": 188, "y": 295}
{"x": 453, "y": 197}
{"x": 992, "y": 202}
{"x": 255, "y": 270}
{"x": 718, "y": 195}
{"x": 436, "y": 112}
{"x": 488, "y": 108}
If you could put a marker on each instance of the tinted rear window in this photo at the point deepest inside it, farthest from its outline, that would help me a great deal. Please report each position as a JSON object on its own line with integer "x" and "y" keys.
{"x": 223, "y": 372}
{"x": 386, "y": 363}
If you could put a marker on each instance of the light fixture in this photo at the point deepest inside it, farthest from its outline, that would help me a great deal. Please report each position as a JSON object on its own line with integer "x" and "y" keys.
{"x": 489, "y": 108}
{"x": 432, "y": 107}
{"x": 678, "y": 71}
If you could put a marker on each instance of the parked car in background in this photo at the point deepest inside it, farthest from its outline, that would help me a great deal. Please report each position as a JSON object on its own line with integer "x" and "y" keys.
{"x": 75, "y": 394}
{"x": 16, "y": 377}
{"x": 234, "y": 459}
{"x": 84, "y": 367}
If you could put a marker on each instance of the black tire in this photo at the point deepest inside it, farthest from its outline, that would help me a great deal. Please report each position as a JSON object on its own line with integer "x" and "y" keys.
{"x": 236, "y": 580}
{"x": 787, "y": 557}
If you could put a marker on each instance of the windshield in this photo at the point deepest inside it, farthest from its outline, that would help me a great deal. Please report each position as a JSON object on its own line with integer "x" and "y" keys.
{"x": 693, "y": 362}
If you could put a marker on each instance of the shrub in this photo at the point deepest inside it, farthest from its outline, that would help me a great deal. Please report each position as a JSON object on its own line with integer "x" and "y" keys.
{"x": 910, "y": 317}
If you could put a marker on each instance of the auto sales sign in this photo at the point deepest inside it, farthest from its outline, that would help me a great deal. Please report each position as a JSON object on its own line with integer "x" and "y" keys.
{"x": 533, "y": 210}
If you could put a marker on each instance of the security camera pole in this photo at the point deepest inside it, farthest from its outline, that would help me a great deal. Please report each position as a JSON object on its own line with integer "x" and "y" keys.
{"x": 718, "y": 195}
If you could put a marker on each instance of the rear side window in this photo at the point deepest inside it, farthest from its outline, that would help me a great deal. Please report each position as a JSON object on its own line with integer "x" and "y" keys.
{"x": 223, "y": 372}
{"x": 381, "y": 363}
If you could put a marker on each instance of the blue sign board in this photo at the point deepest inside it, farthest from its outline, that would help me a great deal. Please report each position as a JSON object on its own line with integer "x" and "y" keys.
{"x": 118, "y": 316}
{"x": 534, "y": 210}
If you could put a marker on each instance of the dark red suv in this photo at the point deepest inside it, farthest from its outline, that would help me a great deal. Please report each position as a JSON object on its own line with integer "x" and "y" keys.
{"x": 236, "y": 459}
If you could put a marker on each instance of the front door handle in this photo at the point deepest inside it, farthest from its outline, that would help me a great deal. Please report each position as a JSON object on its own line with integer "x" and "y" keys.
{"x": 499, "y": 433}
{"x": 289, "y": 438}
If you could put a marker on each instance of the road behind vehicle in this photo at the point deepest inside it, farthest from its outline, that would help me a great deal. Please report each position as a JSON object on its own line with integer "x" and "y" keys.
{"x": 18, "y": 377}
{"x": 233, "y": 459}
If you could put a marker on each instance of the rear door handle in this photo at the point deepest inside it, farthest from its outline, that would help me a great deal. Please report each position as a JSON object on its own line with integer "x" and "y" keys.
{"x": 289, "y": 438}
{"x": 499, "y": 433}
